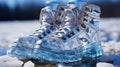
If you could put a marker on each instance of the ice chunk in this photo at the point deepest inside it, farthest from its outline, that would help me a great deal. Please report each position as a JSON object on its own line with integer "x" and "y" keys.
{"x": 60, "y": 65}
{"x": 29, "y": 64}
{"x": 103, "y": 64}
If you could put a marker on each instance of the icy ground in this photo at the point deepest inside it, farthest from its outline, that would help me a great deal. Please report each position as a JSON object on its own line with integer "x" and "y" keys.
{"x": 11, "y": 30}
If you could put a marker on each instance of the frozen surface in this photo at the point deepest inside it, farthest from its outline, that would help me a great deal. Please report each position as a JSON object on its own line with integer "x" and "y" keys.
{"x": 110, "y": 36}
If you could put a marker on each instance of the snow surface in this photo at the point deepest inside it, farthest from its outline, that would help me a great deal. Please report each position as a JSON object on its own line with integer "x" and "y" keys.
{"x": 11, "y": 30}
{"x": 7, "y": 61}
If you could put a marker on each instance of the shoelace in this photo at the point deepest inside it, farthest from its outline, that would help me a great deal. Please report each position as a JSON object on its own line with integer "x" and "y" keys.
{"x": 45, "y": 27}
{"x": 44, "y": 30}
{"x": 67, "y": 31}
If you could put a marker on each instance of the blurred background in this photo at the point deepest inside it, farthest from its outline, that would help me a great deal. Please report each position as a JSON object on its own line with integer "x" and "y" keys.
{"x": 30, "y": 9}
{"x": 20, "y": 18}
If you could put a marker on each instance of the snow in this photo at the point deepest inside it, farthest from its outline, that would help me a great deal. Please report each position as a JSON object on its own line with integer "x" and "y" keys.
{"x": 7, "y": 61}
{"x": 29, "y": 64}
{"x": 11, "y": 30}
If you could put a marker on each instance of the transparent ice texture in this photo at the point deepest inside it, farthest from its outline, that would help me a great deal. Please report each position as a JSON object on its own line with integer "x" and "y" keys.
{"x": 68, "y": 44}
{"x": 90, "y": 50}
